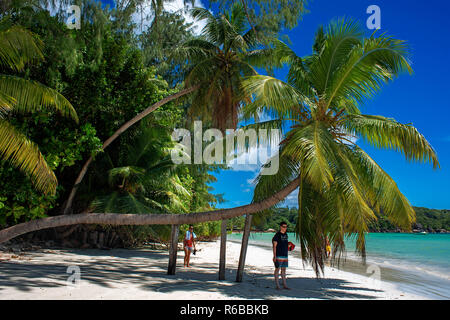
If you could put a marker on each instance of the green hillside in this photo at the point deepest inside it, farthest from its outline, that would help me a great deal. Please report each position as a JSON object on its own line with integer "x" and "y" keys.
{"x": 430, "y": 220}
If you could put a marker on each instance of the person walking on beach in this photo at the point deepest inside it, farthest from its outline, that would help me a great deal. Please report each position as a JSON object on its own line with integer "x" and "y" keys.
{"x": 280, "y": 254}
{"x": 328, "y": 247}
{"x": 189, "y": 244}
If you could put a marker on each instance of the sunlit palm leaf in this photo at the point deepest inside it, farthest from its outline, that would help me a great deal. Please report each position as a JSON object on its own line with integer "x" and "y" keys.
{"x": 387, "y": 133}
{"x": 32, "y": 96}
{"x": 25, "y": 155}
{"x": 274, "y": 96}
{"x": 18, "y": 47}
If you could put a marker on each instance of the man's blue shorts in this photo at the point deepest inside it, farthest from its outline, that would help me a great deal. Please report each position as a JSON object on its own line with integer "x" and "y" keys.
{"x": 281, "y": 262}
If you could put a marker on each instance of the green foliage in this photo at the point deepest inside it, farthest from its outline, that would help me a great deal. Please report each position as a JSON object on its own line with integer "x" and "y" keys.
{"x": 158, "y": 42}
{"x": 19, "y": 95}
{"x": 19, "y": 200}
{"x": 432, "y": 220}
{"x": 107, "y": 77}
{"x": 341, "y": 188}
{"x": 268, "y": 16}
{"x": 218, "y": 61}
{"x": 203, "y": 231}
{"x": 272, "y": 218}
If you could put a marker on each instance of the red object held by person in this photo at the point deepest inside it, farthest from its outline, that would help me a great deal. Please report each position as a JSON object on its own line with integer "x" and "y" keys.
{"x": 291, "y": 246}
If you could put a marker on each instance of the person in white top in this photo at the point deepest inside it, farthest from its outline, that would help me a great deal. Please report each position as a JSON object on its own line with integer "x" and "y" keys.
{"x": 189, "y": 244}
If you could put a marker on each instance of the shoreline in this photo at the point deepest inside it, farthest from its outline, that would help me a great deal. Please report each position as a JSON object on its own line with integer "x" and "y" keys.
{"x": 142, "y": 274}
{"x": 425, "y": 281}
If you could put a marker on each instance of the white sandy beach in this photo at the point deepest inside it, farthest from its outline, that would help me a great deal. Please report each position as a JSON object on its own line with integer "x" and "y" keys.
{"x": 142, "y": 274}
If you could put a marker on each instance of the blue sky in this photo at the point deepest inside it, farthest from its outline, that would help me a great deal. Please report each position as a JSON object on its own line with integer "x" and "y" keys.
{"x": 420, "y": 99}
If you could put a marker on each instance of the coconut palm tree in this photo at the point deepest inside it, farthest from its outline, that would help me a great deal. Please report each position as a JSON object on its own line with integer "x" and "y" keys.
{"x": 146, "y": 180}
{"x": 340, "y": 186}
{"x": 226, "y": 52}
{"x": 18, "y": 47}
{"x": 218, "y": 60}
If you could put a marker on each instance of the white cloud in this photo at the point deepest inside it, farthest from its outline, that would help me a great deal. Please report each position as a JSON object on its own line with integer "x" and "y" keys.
{"x": 174, "y": 6}
{"x": 253, "y": 159}
{"x": 291, "y": 200}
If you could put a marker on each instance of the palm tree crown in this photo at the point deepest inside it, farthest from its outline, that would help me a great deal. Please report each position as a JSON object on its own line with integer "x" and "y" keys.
{"x": 219, "y": 60}
{"x": 341, "y": 186}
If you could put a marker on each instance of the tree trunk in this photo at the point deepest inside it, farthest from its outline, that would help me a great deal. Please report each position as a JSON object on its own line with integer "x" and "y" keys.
{"x": 173, "y": 250}
{"x": 223, "y": 249}
{"x": 68, "y": 206}
{"x": 146, "y": 219}
{"x": 244, "y": 245}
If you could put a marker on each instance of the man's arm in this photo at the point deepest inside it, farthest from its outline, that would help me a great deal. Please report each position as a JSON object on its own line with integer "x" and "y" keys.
{"x": 274, "y": 246}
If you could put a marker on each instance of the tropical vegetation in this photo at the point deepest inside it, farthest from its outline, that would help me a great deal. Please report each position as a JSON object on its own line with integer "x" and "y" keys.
{"x": 341, "y": 186}
{"x": 428, "y": 220}
{"x": 132, "y": 83}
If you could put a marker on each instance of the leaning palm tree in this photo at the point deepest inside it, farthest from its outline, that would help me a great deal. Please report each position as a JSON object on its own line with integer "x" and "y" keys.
{"x": 219, "y": 59}
{"x": 18, "y": 47}
{"x": 340, "y": 186}
{"x": 217, "y": 62}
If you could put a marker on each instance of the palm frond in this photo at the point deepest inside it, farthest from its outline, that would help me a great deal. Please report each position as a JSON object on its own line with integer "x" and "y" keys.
{"x": 274, "y": 96}
{"x": 25, "y": 155}
{"x": 387, "y": 133}
{"x": 32, "y": 96}
{"x": 18, "y": 47}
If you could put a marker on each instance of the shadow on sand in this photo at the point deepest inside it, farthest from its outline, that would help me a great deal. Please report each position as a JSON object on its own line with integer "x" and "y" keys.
{"x": 147, "y": 269}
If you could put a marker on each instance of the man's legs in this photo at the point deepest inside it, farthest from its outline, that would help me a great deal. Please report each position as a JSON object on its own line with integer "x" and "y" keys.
{"x": 283, "y": 278}
{"x": 276, "y": 274}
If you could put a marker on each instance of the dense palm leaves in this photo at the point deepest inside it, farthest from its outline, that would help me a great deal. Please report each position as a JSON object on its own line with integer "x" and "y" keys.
{"x": 219, "y": 60}
{"x": 341, "y": 186}
{"x": 146, "y": 180}
{"x": 17, "y": 95}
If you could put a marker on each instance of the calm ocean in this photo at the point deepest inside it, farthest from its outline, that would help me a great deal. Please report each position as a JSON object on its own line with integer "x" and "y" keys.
{"x": 416, "y": 263}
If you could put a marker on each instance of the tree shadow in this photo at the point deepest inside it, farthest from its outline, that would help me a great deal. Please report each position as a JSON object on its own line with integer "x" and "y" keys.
{"x": 147, "y": 269}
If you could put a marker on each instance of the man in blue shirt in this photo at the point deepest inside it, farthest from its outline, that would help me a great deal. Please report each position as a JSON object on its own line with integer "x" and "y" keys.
{"x": 280, "y": 254}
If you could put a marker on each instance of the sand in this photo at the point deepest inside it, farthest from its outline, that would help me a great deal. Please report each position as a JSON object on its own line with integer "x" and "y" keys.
{"x": 142, "y": 274}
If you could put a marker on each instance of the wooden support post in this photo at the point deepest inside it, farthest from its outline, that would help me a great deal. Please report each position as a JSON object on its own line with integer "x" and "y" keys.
{"x": 223, "y": 249}
{"x": 244, "y": 245}
{"x": 173, "y": 250}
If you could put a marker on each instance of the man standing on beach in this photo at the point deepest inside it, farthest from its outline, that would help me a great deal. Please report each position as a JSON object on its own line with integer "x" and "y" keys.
{"x": 280, "y": 254}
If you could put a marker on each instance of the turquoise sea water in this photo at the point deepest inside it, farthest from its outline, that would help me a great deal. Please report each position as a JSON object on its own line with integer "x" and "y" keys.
{"x": 417, "y": 263}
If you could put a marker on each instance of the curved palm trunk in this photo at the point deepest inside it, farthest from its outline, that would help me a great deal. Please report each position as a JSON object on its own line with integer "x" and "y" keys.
{"x": 145, "y": 219}
{"x": 123, "y": 128}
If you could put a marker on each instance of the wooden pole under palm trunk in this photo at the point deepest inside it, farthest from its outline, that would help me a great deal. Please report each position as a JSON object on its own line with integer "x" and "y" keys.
{"x": 173, "y": 250}
{"x": 223, "y": 249}
{"x": 244, "y": 245}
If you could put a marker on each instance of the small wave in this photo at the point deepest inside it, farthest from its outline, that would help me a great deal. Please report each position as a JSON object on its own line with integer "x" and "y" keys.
{"x": 404, "y": 265}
